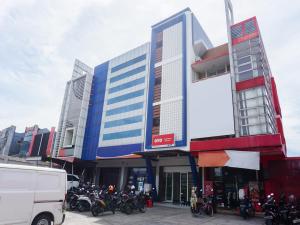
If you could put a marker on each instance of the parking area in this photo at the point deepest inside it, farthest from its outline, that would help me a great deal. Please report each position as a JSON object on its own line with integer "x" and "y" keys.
{"x": 158, "y": 215}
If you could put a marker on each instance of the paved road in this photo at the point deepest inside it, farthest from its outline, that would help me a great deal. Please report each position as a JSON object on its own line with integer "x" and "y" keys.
{"x": 158, "y": 215}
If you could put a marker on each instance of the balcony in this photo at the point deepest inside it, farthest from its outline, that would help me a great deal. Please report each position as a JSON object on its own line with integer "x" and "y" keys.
{"x": 214, "y": 62}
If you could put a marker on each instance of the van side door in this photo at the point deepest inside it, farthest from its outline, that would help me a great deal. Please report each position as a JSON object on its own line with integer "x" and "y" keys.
{"x": 16, "y": 196}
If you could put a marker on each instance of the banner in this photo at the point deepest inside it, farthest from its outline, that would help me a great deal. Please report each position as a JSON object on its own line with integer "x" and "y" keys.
{"x": 230, "y": 158}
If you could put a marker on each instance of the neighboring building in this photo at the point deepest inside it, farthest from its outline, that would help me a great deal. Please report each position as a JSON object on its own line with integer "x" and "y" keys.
{"x": 34, "y": 142}
{"x": 28, "y": 135}
{"x": 158, "y": 112}
{"x": 71, "y": 127}
{"x": 41, "y": 144}
{"x": 9, "y": 141}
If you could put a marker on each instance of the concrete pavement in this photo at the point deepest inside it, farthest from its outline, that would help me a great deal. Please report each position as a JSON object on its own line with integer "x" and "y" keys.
{"x": 157, "y": 216}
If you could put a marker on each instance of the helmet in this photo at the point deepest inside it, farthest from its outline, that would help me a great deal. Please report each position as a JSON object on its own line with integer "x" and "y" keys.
{"x": 110, "y": 188}
{"x": 292, "y": 198}
{"x": 132, "y": 187}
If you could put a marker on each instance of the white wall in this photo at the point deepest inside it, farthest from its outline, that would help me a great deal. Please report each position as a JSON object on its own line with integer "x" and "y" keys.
{"x": 171, "y": 82}
{"x": 211, "y": 108}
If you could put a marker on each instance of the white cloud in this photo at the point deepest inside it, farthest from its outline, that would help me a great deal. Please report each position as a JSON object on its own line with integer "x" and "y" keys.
{"x": 40, "y": 39}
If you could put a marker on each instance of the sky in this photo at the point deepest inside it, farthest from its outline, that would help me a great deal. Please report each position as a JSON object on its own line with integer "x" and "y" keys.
{"x": 39, "y": 41}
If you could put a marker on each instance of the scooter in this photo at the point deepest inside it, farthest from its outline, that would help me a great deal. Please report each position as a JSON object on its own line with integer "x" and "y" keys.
{"x": 104, "y": 202}
{"x": 246, "y": 208}
{"x": 271, "y": 211}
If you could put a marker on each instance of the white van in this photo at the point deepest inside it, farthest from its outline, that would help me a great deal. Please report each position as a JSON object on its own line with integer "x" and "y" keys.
{"x": 31, "y": 195}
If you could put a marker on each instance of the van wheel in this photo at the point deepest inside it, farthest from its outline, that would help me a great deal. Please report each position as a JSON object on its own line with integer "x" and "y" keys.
{"x": 42, "y": 220}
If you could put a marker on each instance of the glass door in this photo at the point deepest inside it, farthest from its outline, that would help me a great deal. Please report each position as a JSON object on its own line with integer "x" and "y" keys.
{"x": 176, "y": 187}
{"x": 169, "y": 187}
{"x": 183, "y": 187}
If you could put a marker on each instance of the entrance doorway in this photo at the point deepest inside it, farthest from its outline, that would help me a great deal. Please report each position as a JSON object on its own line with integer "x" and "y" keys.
{"x": 178, "y": 187}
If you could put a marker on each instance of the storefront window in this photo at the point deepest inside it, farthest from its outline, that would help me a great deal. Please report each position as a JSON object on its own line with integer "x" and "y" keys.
{"x": 138, "y": 177}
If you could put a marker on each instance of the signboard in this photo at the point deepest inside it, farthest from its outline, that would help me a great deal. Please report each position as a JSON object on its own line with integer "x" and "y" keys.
{"x": 164, "y": 140}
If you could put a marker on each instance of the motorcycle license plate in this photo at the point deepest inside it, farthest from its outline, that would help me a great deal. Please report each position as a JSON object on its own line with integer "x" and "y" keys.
{"x": 268, "y": 217}
{"x": 296, "y": 221}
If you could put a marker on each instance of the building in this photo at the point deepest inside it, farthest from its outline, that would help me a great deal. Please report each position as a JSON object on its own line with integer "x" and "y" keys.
{"x": 178, "y": 112}
{"x": 41, "y": 144}
{"x": 71, "y": 127}
{"x": 33, "y": 143}
{"x": 9, "y": 141}
{"x": 28, "y": 136}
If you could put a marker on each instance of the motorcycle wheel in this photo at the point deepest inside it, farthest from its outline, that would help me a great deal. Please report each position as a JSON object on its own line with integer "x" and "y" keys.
{"x": 269, "y": 222}
{"x": 142, "y": 208}
{"x": 95, "y": 210}
{"x": 252, "y": 212}
{"x": 73, "y": 204}
{"x": 127, "y": 209}
{"x": 209, "y": 211}
{"x": 81, "y": 207}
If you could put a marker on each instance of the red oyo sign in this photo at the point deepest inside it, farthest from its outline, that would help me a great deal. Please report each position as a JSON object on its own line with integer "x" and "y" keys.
{"x": 163, "y": 140}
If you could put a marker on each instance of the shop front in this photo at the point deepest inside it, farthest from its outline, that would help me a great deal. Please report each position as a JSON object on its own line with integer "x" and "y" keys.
{"x": 231, "y": 175}
{"x": 229, "y": 185}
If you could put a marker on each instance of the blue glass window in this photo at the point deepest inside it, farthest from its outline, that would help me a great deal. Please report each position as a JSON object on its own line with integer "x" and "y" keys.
{"x": 123, "y": 134}
{"x": 125, "y": 97}
{"x": 128, "y": 63}
{"x": 127, "y": 85}
{"x": 236, "y": 31}
{"x": 125, "y": 121}
{"x": 250, "y": 27}
{"x": 128, "y": 74}
{"x": 124, "y": 109}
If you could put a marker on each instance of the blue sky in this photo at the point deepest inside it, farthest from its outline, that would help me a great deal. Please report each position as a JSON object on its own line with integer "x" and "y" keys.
{"x": 39, "y": 41}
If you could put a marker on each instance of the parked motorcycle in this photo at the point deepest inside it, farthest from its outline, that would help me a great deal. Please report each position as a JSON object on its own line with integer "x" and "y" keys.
{"x": 132, "y": 201}
{"x": 104, "y": 201}
{"x": 201, "y": 205}
{"x": 246, "y": 208}
{"x": 271, "y": 211}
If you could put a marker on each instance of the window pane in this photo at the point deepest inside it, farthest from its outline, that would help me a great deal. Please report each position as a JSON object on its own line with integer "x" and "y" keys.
{"x": 125, "y": 121}
{"x": 128, "y": 63}
{"x": 127, "y": 85}
{"x": 246, "y": 75}
{"x": 250, "y": 27}
{"x": 123, "y": 134}
{"x": 125, "y": 97}
{"x": 128, "y": 74}
{"x": 244, "y": 60}
{"x": 245, "y": 67}
{"x": 125, "y": 109}
{"x": 236, "y": 31}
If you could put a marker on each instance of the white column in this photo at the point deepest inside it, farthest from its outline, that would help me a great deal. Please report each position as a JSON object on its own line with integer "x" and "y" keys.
{"x": 157, "y": 178}
{"x": 122, "y": 177}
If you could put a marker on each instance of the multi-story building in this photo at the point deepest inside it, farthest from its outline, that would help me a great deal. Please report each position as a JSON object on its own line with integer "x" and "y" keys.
{"x": 71, "y": 126}
{"x": 179, "y": 112}
{"x": 28, "y": 137}
{"x": 9, "y": 141}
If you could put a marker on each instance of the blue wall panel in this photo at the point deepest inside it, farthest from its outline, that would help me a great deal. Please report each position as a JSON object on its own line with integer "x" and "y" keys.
{"x": 93, "y": 125}
{"x": 115, "y": 151}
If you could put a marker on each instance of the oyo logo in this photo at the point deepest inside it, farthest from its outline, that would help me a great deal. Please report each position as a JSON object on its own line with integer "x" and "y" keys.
{"x": 158, "y": 140}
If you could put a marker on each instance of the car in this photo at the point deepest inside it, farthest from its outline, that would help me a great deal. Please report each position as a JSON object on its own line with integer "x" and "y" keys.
{"x": 32, "y": 195}
{"x": 73, "y": 181}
